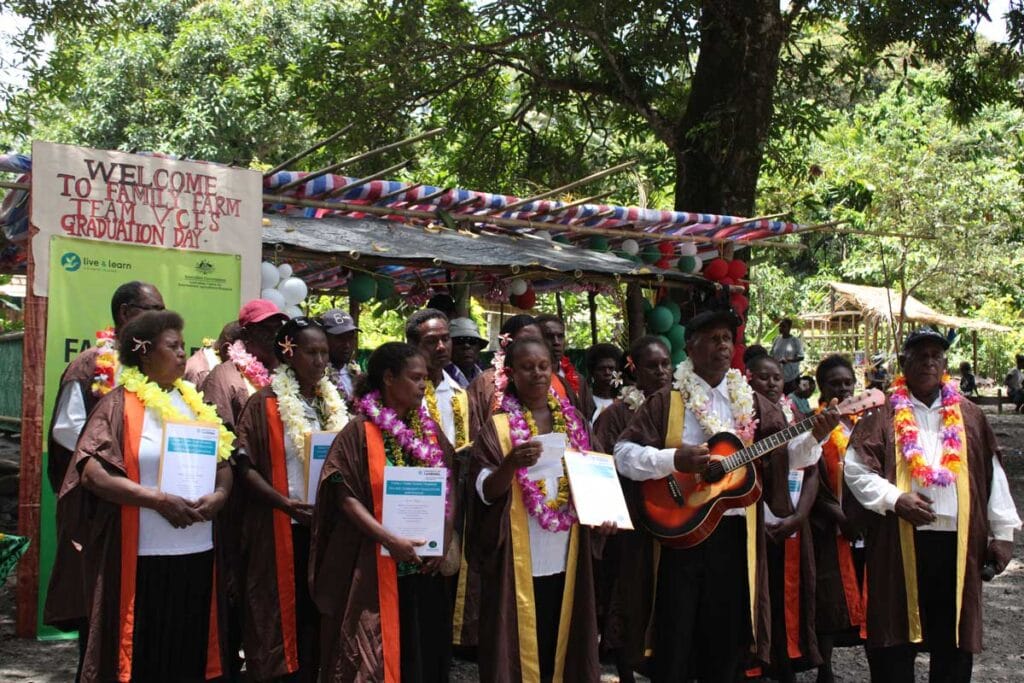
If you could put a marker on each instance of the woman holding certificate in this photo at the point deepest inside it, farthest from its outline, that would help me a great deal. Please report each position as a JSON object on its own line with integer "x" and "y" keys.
{"x": 379, "y": 552}
{"x": 539, "y": 620}
{"x": 280, "y": 625}
{"x": 152, "y": 460}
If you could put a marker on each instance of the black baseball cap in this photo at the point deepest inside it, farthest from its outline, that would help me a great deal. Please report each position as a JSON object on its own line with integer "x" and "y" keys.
{"x": 923, "y": 334}
{"x": 712, "y": 316}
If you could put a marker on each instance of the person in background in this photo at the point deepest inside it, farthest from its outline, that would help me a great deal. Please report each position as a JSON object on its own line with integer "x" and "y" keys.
{"x": 1015, "y": 383}
{"x": 968, "y": 384}
{"x": 212, "y": 353}
{"x": 877, "y": 375}
{"x": 467, "y": 343}
{"x": 444, "y": 303}
{"x": 89, "y": 377}
{"x": 342, "y": 338}
{"x": 604, "y": 362}
{"x": 801, "y": 397}
{"x": 789, "y": 351}
{"x": 927, "y": 470}
{"x": 566, "y": 380}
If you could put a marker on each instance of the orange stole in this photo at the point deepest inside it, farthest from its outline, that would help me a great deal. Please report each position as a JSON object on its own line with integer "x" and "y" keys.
{"x": 832, "y": 454}
{"x": 134, "y": 418}
{"x": 387, "y": 570}
{"x": 791, "y": 591}
{"x": 559, "y": 386}
{"x": 284, "y": 559}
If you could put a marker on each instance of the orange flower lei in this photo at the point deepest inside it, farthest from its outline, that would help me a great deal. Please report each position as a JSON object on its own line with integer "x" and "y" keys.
{"x": 906, "y": 433}
{"x": 106, "y": 363}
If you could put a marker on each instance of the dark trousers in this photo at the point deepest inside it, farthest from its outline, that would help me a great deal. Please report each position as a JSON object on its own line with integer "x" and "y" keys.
{"x": 702, "y": 608}
{"x": 425, "y": 628}
{"x": 547, "y": 600}
{"x": 936, "y": 586}
{"x": 307, "y": 617}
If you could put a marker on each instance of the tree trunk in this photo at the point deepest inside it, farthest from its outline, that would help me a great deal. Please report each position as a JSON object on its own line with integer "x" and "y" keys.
{"x": 720, "y": 141}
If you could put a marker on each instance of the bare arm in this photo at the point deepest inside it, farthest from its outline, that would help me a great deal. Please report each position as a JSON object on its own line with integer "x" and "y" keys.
{"x": 122, "y": 491}
{"x": 523, "y": 455}
{"x": 265, "y": 493}
{"x": 212, "y": 503}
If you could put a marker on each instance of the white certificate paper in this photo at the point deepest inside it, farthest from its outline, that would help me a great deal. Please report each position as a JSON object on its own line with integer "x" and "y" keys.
{"x": 317, "y": 446}
{"x": 414, "y": 506}
{"x": 188, "y": 461}
{"x": 596, "y": 491}
{"x": 549, "y": 466}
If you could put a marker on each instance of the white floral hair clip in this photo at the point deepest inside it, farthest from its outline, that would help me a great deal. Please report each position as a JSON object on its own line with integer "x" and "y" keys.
{"x": 141, "y": 344}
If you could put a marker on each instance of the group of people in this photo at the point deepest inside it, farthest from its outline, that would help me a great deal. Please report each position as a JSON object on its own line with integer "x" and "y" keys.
{"x": 876, "y": 535}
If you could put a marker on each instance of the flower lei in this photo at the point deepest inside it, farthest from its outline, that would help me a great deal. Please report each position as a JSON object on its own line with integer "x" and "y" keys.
{"x": 741, "y": 402}
{"x": 458, "y": 418}
{"x": 208, "y": 342}
{"x": 905, "y": 427}
{"x": 152, "y": 396}
{"x": 422, "y": 447}
{"x": 787, "y": 408}
{"x": 105, "y": 378}
{"x": 251, "y": 368}
{"x": 500, "y": 378}
{"x": 558, "y": 514}
{"x": 571, "y": 376}
{"x": 633, "y": 397}
{"x": 332, "y": 413}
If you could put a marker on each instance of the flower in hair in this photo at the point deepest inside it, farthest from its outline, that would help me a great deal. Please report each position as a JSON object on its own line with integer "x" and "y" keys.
{"x": 142, "y": 344}
{"x": 287, "y": 346}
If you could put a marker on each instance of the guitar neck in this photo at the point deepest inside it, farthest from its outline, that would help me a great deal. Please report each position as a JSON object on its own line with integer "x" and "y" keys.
{"x": 766, "y": 445}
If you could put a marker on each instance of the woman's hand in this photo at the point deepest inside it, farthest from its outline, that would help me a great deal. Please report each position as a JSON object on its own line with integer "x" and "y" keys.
{"x": 404, "y": 549}
{"x": 779, "y": 531}
{"x": 607, "y": 529}
{"x": 299, "y": 511}
{"x": 524, "y": 455}
{"x": 209, "y": 505}
{"x": 178, "y": 511}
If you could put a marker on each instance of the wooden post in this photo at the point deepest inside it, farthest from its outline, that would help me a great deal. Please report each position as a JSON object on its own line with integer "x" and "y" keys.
{"x": 30, "y": 474}
{"x": 558, "y": 305}
{"x": 634, "y": 311}
{"x": 974, "y": 351}
{"x": 353, "y": 310}
{"x": 592, "y": 303}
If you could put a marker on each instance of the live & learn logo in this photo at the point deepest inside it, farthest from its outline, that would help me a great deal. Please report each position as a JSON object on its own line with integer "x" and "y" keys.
{"x": 71, "y": 261}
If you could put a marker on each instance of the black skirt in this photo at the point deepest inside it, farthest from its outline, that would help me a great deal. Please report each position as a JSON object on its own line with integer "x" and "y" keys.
{"x": 172, "y": 617}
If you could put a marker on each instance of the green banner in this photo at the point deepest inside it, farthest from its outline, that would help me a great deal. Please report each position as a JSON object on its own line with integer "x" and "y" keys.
{"x": 203, "y": 287}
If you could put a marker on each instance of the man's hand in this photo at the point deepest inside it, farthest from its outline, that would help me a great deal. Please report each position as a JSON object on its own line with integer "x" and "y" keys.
{"x": 779, "y": 531}
{"x": 999, "y": 554}
{"x": 825, "y": 421}
{"x": 916, "y": 508}
{"x": 692, "y": 459}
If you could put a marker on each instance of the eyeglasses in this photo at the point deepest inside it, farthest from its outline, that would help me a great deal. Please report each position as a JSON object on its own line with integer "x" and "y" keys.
{"x": 155, "y": 307}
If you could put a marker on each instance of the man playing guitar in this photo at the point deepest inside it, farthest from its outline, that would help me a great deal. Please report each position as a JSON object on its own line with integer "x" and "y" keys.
{"x": 711, "y": 611}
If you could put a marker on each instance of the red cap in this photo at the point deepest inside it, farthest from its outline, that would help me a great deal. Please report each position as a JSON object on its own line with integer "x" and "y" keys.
{"x": 258, "y": 310}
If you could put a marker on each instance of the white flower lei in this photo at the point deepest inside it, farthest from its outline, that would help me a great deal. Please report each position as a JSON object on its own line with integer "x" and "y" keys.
{"x": 293, "y": 415}
{"x": 741, "y": 402}
{"x": 632, "y": 396}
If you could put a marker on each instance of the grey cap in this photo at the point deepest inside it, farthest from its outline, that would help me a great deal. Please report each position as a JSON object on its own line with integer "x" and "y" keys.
{"x": 464, "y": 327}
{"x": 337, "y": 321}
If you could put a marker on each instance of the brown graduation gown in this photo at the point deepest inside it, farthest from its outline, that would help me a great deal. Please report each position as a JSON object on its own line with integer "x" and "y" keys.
{"x": 492, "y": 541}
{"x": 625, "y": 573}
{"x": 67, "y": 596}
{"x": 481, "y": 399}
{"x": 197, "y": 367}
{"x": 888, "y": 612}
{"x": 649, "y": 427}
{"x": 226, "y": 390}
{"x": 100, "y": 531}
{"x": 343, "y": 564}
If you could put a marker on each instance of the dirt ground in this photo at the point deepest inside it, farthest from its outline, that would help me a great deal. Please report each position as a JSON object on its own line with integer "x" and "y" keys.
{"x": 53, "y": 662}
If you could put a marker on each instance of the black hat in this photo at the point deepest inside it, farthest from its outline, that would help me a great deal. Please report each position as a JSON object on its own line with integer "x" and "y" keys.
{"x": 713, "y": 316}
{"x": 923, "y": 334}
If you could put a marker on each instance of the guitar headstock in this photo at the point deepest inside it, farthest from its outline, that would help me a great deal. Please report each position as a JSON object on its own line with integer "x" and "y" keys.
{"x": 872, "y": 398}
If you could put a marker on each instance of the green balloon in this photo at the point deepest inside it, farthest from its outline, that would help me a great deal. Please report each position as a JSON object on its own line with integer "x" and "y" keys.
{"x": 677, "y": 314}
{"x": 651, "y": 254}
{"x": 362, "y": 287}
{"x": 648, "y": 307}
{"x": 561, "y": 239}
{"x": 677, "y": 335}
{"x": 687, "y": 264}
{"x": 385, "y": 288}
{"x": 678, "y": 356}
{"x": 660, "y": 320}
{"x": 598, "y": 243}
{"x": 665, "y": 341}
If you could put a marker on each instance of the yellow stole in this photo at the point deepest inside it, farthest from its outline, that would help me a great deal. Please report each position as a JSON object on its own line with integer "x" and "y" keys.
{"x": 909, "y": 553}
{"x": 526, "y": 613}
{"x": 674, "y": 439}
{"x": 458, "y": 619}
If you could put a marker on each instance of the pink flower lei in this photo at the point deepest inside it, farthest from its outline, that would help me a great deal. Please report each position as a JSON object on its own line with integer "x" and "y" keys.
{"x": 248, "y": 365}
{"x": 554, "y": 520}
{"x": 425, "y": 450}
{"x": 907, "y": 436}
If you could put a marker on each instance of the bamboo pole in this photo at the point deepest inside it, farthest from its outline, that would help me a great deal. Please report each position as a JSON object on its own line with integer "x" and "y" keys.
{"x": 359, "y": 157}
{"x": 569, "y": 186}
{"x": 597, "y": 216}
{"x": 15, "y": 186}
{"x": 592, "y": 304}
{"x": 306, "y": 152}
{"x": 572, "y": 205}
{"x": 369, "y": 179}
{"x": 748, "y": 221}
{"x": 430, "y": 197}
{"x": 505, "y": 222}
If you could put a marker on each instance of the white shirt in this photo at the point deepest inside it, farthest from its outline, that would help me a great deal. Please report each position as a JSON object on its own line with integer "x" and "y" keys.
{"x": 878, "y": 494}
{"x": 600, "y": 404}
{"x": 445, "y": 394}
{"x": 640, "y": 463}
{"x": 345, "y": 383}
{"x": 293, "y": 465}
{"x": 156, "y": 535}
{"x": 548, "y": 549}
{"x": 70, "y": 416}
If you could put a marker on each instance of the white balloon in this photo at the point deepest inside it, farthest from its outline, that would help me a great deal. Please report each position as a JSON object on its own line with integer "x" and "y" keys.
{"x": 518, "y": 286}
{"x": 269, "y": 276}
{"x": 275, "y": 297}
{"x": 688, "y": 248}
{"x": 285, "y": 271}
{"x": 293, "y": 312}
{"x": 293, "y": 290}
{"x": 543, "y": 234}
{"x": 630, "y": 247}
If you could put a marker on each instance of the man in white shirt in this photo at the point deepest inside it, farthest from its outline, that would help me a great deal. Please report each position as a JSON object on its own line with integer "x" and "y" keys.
{"x": 342, "y": 338}
{"x": 711, "y": 603}
{"x": 445, "y": 400}
{"x": 934, "y": 528}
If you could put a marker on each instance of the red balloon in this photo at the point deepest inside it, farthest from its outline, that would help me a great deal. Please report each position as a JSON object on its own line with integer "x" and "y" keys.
{"x": 737, "y": 356}
{"x": 716, "y": 269}
{"x": 739, "y": 303}
{"x": 741, "y": 332}
{"x": 526, "y": 300}
{"x": 726, "y": 281}
{"x": 737, "y": 269}
{"x": 664, "y": 263}
{"x": 667, "y": 248}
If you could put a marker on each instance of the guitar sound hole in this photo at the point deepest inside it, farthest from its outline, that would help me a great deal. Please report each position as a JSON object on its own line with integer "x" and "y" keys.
{"x": 714, "y": 472}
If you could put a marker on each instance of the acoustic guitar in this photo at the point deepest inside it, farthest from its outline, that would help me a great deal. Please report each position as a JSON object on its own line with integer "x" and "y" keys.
{"x": 684, "y": 508}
